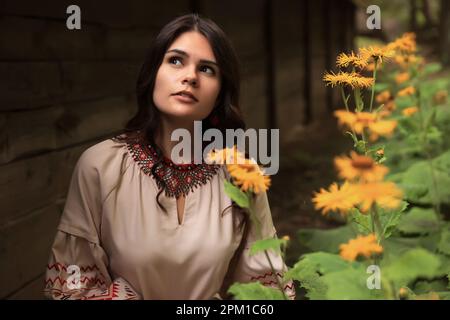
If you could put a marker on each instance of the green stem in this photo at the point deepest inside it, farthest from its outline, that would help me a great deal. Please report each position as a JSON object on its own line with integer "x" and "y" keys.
{"x": 373, "y": 86}
{"x": 376, "y": 217}
{"x": 348, "y": 110}
{"x": 425, "y": 147}
{"x": 259, "y": 235}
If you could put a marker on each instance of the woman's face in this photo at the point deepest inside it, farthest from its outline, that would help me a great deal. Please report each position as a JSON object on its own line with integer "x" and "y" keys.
{"x": 188, "y": 65}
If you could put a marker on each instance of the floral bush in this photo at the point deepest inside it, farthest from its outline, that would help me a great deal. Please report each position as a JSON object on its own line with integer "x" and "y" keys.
{"x": 393, "y": 189}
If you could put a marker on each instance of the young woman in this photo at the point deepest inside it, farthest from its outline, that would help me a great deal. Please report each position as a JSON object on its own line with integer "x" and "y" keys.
{"x": 137, "y": 225}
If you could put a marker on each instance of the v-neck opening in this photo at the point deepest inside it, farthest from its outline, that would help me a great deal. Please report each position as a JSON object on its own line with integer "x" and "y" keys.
{"x": 183, "y": 212}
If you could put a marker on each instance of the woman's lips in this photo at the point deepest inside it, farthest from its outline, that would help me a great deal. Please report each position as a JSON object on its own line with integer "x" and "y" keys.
{"x": 184, "y": 98}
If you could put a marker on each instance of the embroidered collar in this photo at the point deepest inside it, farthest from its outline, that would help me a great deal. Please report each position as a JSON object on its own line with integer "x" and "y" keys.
{"x": 174, "y": 179}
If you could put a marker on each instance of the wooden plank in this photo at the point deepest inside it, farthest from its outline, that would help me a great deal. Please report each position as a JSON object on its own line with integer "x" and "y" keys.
{"x": 30, "y": 132}
{"x": 317, "y": 30}
{"x": 35, "y": 182}
{"x": 29, "y": 39}
{"x": 289, "y": 55}
{"x": 253, "y": 101}
{"x": 245, "y": 30}
{"x": 31, "y": 291}
{"x": 28, "y": 85}
{"x": 114, "y": 14}
{"x": 25, "y": 247}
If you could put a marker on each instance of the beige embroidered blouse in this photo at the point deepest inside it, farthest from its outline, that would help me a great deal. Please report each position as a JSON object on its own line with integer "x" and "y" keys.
{"x": 123, "y": 246}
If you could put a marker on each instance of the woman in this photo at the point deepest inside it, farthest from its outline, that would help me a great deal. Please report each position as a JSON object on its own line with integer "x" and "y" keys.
{"x": 137, "y": 225}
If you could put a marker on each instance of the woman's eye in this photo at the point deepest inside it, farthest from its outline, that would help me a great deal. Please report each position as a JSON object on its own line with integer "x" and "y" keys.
{"x": 207, "y": 69}
{"x": 175, "y": 60}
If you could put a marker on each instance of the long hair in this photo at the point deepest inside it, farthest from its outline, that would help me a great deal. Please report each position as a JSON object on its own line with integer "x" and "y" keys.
{"x": 145, "y": 123}
{"x": 227, "y": 109}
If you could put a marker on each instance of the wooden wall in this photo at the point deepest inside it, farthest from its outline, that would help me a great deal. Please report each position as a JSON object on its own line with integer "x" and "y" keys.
{"x": 62, "y": 91}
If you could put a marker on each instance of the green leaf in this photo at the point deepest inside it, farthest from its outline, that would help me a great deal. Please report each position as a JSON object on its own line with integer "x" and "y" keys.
{"x": 444, "y": 243}
{"x": 305, "y": 272}
{"x": 363, "y": 222}
{"x": 321, "y": 262}
{"x": 254, "y": 291}
{"x": 309, "y": 269}
{"x": 350, "y": 284}
{"x": 326, "y": 240}
{"x": 431, "y": 68}
{"x": 390, "y": 218}
{"x": 417, "y": 181}
{"x": 411, "y": 265}
{"x": 419, "y": 221}
{"x": 237, "y": 195}
{"x": 381, "y": 86}
{"x": 267, "y": 244}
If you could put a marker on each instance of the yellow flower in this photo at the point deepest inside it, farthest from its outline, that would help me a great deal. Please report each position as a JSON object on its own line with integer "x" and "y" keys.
{"x": 359, "y": 167}
{"x": 409, "y": 111}
{"x": 363, "y": 120}
{"x": 286, "y": 238}
{"x": 345, "y": 117}
{"x": 362, "y": 245}
{"x": 353, "y": 80}
{"x": 376, "y": 53}
{"x": 344, "y": 60}
{"x": 336, "y": 199}
{"x": 249, "y": 177}
{"x": 226, "y": 156}
{"x": 406, "y": 43}
{"x": 383, "y": 128}
{"x": 384, "y": 194}
{"x": 383, "y": 96}
{"x": 402, "y": 77}
{"x": 404, "y": 60}
{"x": 406, "y": 92}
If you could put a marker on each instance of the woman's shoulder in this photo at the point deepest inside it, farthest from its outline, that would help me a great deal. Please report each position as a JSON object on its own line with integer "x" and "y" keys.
{"x": 103, "y": 153}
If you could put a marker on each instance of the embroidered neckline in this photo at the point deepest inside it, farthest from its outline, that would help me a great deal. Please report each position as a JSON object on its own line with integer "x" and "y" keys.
{"x": 174, "y": 179}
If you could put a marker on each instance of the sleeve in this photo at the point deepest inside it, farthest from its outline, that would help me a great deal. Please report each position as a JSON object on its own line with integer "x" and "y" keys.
{"x": 78, "y": 265}
{"x": 257, "y": 267}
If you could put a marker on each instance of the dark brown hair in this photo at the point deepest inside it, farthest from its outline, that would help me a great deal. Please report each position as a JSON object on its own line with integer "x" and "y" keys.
{"x": 145, "y": 122}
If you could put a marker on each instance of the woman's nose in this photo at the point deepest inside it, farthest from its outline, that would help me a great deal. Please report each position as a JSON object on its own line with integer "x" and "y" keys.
{"x": 190, "y": 78}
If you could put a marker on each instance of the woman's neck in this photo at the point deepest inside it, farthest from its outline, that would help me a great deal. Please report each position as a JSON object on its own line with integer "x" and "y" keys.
{"x": 163, "y": 139}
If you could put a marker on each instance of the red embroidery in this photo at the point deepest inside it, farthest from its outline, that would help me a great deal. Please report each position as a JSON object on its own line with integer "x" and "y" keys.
{"x": 174, "y": 179}
{"x": 268, "y": 279}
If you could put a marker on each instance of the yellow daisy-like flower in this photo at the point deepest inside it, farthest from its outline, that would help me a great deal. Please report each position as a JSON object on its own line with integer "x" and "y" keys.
{"x": 410, "y": 111}
{"x": 353, "y": 80}
{"x": 385, "y": 194}
{"x": 335, "y": 199}
{"x": 406, "y": 43}
{"x": 377, "y": 53}
{"x": 402, "y": 77}
{"x": 383, "y": 128}
{"x": 405, "y": 60}
{"x": 226, "y": 156}
{"x": 249, "y": 177}
{"x": 363, "y": 120}
{"x": 357, "y": 121}
{"x": 344, "y": 60}
{"x": 371, "y": 66}
{"x": 406, "y": 92}
{"x": 361, "y": 245}
{"x": 359, "y": 167}
{"x": 383, "y": 96}
{"x": 345, "y": 117}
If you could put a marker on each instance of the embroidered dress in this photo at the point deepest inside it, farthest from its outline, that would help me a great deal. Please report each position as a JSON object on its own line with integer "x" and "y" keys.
{"x": 115, "y": 242}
